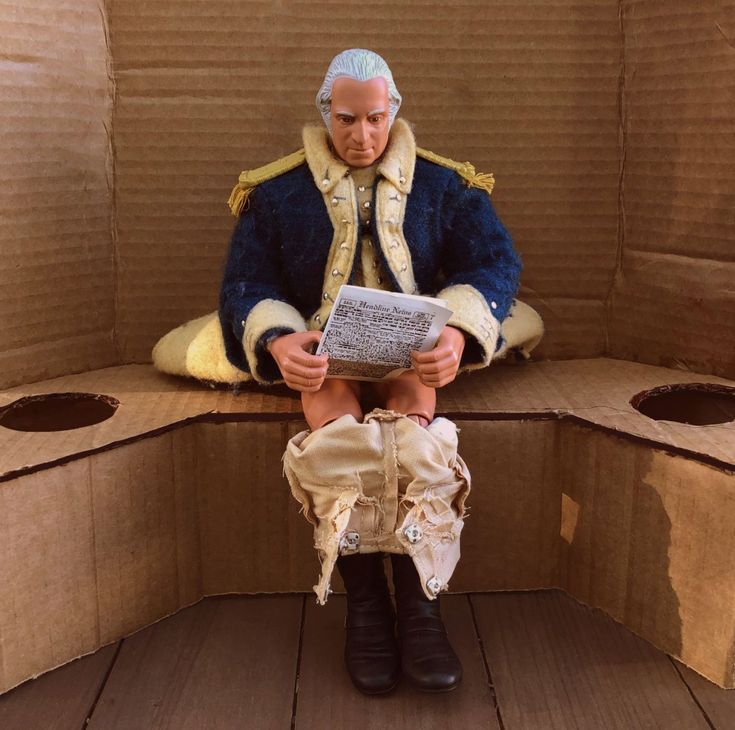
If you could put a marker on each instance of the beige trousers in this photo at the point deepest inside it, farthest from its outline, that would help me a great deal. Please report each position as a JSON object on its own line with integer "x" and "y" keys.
{"x": 386, "y": 484}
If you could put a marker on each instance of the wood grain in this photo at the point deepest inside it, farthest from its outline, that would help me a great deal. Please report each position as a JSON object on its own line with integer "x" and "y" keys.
{"x": 322, "y": 671}
{"x": 224, "y": 663}
{"x": 558, "y": 665}
{"x": 717, "y": 703}
{"x": 59, "y": 700}
{"x": 231, "y": 662}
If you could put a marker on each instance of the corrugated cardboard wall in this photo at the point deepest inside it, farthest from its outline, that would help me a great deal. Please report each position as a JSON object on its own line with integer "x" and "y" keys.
{"x": 205, "y": 89}
{"x": 56, "y": 258}
{"x": 530, "y": 92}
{"x": 674, "y": 297}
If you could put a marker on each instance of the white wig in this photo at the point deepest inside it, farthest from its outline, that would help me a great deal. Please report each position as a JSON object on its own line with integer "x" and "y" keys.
{"x": 361, "y": 65}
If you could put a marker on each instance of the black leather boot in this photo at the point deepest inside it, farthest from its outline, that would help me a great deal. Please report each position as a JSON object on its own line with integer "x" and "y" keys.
{"x": 427, "y": 657}
{"x": 371, "y": 650}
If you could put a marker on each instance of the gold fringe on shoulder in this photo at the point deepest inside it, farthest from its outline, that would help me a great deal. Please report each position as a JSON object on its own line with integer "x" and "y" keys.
{"x": 250, "y": 179}
{"x": 238, "y": 200}
{"x": 466, "y": 170}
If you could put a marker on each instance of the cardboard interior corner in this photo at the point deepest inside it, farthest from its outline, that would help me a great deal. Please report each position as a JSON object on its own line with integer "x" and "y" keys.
{"x": 123, "y": 131}
{"x": 179, "y": 494}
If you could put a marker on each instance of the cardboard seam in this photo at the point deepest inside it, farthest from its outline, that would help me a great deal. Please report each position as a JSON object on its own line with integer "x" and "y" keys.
{"x": 622, "y": 147}
{"x": 112, "y": 178}
{"x": 214, "y": 417}
{"x": 177, "y": 513}
{"x": 200, "y": 531}
{"x": 90, "y": 482}
{"x": 722, "y": 33}
{"x": 3, "y": 665}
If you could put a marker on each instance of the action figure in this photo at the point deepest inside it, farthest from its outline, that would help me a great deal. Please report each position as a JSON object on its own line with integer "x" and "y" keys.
{"x": 361, "y": 204}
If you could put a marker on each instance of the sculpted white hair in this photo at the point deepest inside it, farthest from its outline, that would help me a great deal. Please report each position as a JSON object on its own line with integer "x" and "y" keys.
{"x": 361, "y": 65}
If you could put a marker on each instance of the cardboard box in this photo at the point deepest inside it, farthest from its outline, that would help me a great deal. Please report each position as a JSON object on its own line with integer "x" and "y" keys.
{"x": 608, "y": 126}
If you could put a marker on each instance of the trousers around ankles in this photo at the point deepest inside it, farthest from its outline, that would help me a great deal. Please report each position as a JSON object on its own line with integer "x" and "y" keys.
{"x": 384, "y": 485}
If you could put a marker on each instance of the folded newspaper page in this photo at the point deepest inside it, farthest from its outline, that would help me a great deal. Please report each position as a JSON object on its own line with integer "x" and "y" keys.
{"x": 371, "y": 333}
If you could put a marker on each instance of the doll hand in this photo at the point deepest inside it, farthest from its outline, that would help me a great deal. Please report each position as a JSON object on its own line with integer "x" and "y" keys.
{"x": 301, "y": 370}
{"x": 439, "y": 366}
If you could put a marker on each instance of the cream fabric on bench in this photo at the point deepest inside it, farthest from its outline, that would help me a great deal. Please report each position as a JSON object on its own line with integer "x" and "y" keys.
{"x": 196, "y": 349}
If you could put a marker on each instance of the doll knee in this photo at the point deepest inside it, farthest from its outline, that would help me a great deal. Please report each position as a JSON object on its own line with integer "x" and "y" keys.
{"x": 334, "y": 399}
{"x": 407, "y": 394}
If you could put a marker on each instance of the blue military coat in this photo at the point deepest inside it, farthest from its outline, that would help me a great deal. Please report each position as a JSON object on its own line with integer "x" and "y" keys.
{"x": 442, "y": 237}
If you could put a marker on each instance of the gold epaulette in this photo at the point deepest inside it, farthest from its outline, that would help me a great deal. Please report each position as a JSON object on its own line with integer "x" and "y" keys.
{"x": 484, "y": 180}
{"x": 249, "y": 179}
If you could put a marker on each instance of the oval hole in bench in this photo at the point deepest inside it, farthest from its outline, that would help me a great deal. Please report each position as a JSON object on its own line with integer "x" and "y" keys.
{"x": 697, "y": 404}
{"x": 57, "y": 411}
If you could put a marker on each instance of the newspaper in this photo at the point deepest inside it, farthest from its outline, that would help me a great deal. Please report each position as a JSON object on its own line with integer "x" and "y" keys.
{"x": 371, "y": 333}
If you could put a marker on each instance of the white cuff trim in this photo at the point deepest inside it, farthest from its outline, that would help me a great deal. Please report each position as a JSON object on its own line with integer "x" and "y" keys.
{"x": 265, "y": 315}
{"x": 473, "y": 315}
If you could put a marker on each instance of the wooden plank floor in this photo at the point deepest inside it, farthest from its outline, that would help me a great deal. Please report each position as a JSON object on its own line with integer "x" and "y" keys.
{"x": 534, "y": 659}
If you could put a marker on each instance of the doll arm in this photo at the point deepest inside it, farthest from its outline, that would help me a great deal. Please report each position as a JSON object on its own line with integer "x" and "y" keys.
{"x": 482, "y": 270}
{"x": 253, "y": 302}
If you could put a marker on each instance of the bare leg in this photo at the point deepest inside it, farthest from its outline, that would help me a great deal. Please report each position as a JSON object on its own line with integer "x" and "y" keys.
{"x": 407, "y": 394}
{"x": 335, "y": 398}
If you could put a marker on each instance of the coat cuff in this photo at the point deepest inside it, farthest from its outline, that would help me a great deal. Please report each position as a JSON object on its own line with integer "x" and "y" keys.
{"x": 266, "y": 318}
{"x": 472, "y": 315}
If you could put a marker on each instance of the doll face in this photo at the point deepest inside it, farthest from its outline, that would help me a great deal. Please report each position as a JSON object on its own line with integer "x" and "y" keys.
{"x": 360, "y": 119}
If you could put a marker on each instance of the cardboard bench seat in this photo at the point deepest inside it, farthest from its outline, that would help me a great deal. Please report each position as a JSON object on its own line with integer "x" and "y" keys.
{"x": 179, "y": 495}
